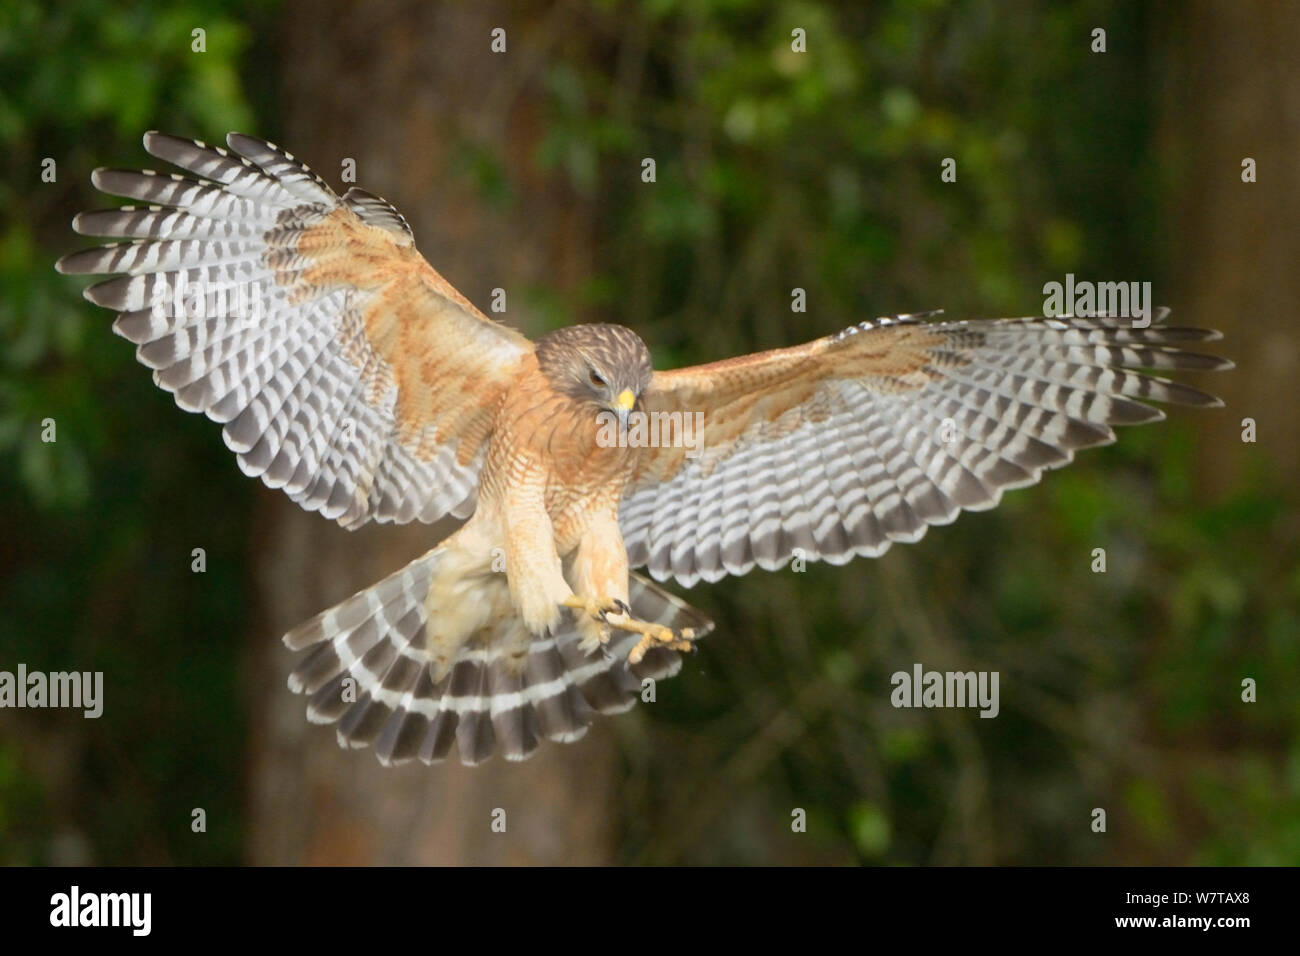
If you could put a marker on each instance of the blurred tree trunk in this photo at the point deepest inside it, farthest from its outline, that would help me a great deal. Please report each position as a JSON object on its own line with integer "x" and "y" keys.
{"x": 1232, "y": 92}
{"x": 395, "y": 86}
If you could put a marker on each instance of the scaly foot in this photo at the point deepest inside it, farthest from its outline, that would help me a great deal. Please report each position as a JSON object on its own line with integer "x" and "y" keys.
{"x": 593, "y": 623}
{"x": 597, "y": 607}
{"x": 600, "y": 614}
{"x": 653, "y": 635}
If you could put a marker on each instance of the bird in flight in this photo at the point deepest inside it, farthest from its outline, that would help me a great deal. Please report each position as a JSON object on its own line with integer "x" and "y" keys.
{"x": 348, "y": 373}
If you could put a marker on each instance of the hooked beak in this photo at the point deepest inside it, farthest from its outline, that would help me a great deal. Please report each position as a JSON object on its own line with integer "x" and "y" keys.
{"x": 624, "y": 404}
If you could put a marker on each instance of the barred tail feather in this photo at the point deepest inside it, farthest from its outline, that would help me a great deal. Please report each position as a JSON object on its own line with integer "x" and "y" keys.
{"x": 369, "y": 671}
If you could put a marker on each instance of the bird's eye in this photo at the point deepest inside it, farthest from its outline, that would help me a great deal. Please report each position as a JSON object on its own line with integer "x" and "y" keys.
{"x": 596, "y": 379}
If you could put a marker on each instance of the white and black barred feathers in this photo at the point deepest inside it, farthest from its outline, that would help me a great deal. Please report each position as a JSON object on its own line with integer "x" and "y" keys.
{"x": 492, "y": 699}
{"x": 255, "y": 302}
{"x": 863, "y": 460}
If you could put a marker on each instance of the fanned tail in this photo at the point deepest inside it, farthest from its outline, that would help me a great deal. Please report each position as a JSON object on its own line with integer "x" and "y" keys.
{"x": 506, "y": 690}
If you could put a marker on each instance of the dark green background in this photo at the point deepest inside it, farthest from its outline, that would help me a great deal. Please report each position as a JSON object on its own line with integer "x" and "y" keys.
{"x": 775, "y": 170}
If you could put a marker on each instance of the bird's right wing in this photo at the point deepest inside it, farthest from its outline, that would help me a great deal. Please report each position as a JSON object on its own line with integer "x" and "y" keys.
{"x": 345, "y": 369}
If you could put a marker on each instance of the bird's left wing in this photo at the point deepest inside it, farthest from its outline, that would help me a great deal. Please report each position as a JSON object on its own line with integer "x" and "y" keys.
{"x": 345, "y": 369}
{"x": 846, "y": 444}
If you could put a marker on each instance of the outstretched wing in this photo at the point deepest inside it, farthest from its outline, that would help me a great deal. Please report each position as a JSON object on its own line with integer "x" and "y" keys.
{"x": 345, "y": 369}
{"x": 849, "y": 443}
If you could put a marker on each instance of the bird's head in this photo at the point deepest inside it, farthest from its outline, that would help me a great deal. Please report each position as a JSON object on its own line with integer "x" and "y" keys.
{"x": 604, "y": 366}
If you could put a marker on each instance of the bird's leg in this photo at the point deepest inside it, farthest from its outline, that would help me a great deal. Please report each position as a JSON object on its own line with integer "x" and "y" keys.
{"x": 653, "y": 635}
{"x": 598, "y": 566}
{"x": 608, "y": 613}
{"x": 597, "y": 607}
{"x": 594, "y": 621}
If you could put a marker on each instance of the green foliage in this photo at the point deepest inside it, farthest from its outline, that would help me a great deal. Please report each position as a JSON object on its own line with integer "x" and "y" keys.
{"x": 775, "y": 169}
{"x": 100, "y": 523}
{"x": 821, "y": 170}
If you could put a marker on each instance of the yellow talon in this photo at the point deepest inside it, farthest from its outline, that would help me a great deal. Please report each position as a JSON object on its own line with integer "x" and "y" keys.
{"x": 606, "y": 612}
{"x": 654, "y": 635}
{"x": 597, "y": 607}
{"x": 593, "y": 624}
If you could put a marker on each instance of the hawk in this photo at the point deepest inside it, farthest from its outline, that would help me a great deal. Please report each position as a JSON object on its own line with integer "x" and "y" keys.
{"x": 348, "y": 373}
